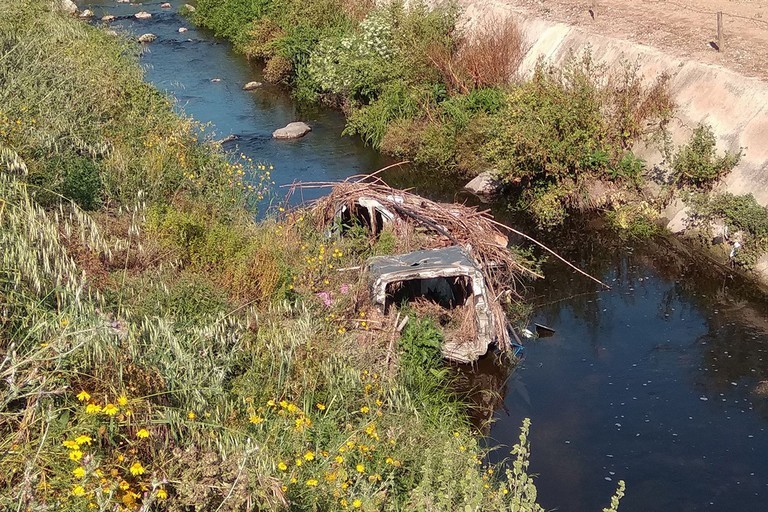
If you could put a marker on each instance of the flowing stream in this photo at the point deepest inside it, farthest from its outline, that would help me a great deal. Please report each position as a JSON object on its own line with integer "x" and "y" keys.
{"x": 656, "y": 381}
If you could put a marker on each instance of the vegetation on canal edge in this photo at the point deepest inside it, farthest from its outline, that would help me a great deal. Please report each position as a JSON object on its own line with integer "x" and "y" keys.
{"x": 161, "y": 351}
{"x": 414, "y": 85}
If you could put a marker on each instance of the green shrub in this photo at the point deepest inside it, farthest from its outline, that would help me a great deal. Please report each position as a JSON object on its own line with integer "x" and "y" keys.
{"x": 420, "y": 344}
{"x": 82, "y": 183}
{"x": 546, "y": 206}
{"x": 397, "y": 101}
{"x": 552, "y": 127}
{"x": 230, "y": 18}
{"x": 697, "y": 164}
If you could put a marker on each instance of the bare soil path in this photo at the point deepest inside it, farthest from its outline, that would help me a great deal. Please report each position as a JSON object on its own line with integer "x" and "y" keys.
{"x": 683, "y": 28}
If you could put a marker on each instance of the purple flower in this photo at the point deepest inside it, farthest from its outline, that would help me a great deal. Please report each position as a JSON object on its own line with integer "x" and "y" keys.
{"x": 326, "y": 298}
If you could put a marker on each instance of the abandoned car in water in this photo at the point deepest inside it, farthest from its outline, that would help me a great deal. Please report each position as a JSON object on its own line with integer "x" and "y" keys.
{"x": 454, "y": 263}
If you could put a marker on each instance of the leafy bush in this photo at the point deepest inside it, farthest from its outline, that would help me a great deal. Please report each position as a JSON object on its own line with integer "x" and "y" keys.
{"x": 397, "y": 101}
{"x": 697, "y": 164}
{"x": 552, "y": 127}
{"x": 357, "y": 65}
{"x": 230, "y": 18}
{"x": 420, "y": 344}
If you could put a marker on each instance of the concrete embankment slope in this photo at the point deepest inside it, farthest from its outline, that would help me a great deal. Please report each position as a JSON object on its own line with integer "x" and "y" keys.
{"x": 735, "y": 106}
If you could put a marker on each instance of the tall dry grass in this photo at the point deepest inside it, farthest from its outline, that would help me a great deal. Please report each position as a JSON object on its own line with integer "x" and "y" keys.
{"x": 486, "y": 57}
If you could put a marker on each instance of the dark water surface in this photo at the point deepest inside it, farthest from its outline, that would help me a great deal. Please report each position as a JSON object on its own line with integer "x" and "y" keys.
{"x": 652, "y": 381}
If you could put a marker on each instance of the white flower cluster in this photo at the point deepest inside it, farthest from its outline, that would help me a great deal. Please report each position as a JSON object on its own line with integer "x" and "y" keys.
{"x": 343, "y": 66}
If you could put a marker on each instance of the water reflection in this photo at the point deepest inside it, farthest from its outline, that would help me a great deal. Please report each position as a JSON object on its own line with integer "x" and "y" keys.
{"x": 651, "y": 382}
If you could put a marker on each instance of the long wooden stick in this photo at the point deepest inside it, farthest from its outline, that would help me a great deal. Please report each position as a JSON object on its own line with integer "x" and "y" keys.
{"x": 553, "y": 253}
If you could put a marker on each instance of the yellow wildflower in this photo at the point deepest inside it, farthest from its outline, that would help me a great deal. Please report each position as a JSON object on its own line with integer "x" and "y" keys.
{"x": 78, "y": 490}
{"x": 83, "y": 396}
{"x": 79, "y": 472}
{"x": 122, "y": 400}
{"x": 72, "y": 445}
{"x": 365, "y": 409}
{"x": 298, "y": 462}
{"x": 137, "y": 469}
{"x": 357, "y": 503}
{"x": 142, "y": 433}
{"x": 75, "y": 455}
{"x": 161, "y": 494}
{"x": 83, "y": 439}
{"x": 124, "y": 486}
{"x": 343, "y": 502}
{"x": 92, "y": 409}
{"x": 309, "y": 455}
{"x": 110, "y": 409}
{"x": 271, "y": 402}
{"x": 282, "y": 466}
{"x": 312, "y": 482}
{"x": 283, "y": 404}
{"x": 191, "y": 415}
{"x": 321, "y": 406}
{"x": 339, "y": 459}
{"x": 255, "y": 419}
{"x": 360, "y": 468}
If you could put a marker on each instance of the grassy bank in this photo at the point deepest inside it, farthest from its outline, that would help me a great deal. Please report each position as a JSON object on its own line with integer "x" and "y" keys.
{"x": 413, "y": 84}
{"x": 161, "y": 351}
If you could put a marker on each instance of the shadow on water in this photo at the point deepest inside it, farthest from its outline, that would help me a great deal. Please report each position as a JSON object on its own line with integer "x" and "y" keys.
{"x": 653, "y": 381}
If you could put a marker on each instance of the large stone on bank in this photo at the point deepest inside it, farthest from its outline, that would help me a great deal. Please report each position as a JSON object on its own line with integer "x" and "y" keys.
{"x": 251, "y": 86}
{"x": 292, "y": 131}
{"x": 679, "y": 222}
{"x": 147, "y": 38}
{"x": 142, "y": 15}
{"x": 761, "y": 269}
{"x": 189, "y": 8}
{"x": 108, "y": 18}
{"x": 86, "y": 14}
{"x": 67, "y": 6}
{"x": 485, "y": 185}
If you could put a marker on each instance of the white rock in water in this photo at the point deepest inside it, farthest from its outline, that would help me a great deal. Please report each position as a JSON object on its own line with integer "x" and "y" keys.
{"x": 292, "y": 131}
{"x": 165, "y": 5}
{"x": 147, "y": 38}
{"x": 215, "y": 80}
{"x": 86, "y": 14}
{"x": 182, "y": 30}
{"x": 68, "y": 6}
{"x": 108, "y": 18}
{"x": 251, "y": 86}
{"x": 123, "y": 1}
{"x": 142, "y": 15}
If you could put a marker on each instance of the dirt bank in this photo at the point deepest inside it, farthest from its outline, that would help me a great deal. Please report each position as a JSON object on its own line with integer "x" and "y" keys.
{"x": 680, "y": 28}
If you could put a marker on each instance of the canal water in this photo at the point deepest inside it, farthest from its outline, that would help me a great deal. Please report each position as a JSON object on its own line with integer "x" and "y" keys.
{"x": 656, "y": 381}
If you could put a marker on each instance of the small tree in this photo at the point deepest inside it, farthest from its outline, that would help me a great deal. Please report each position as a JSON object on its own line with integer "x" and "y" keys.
{"x": 697, "y": 163}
